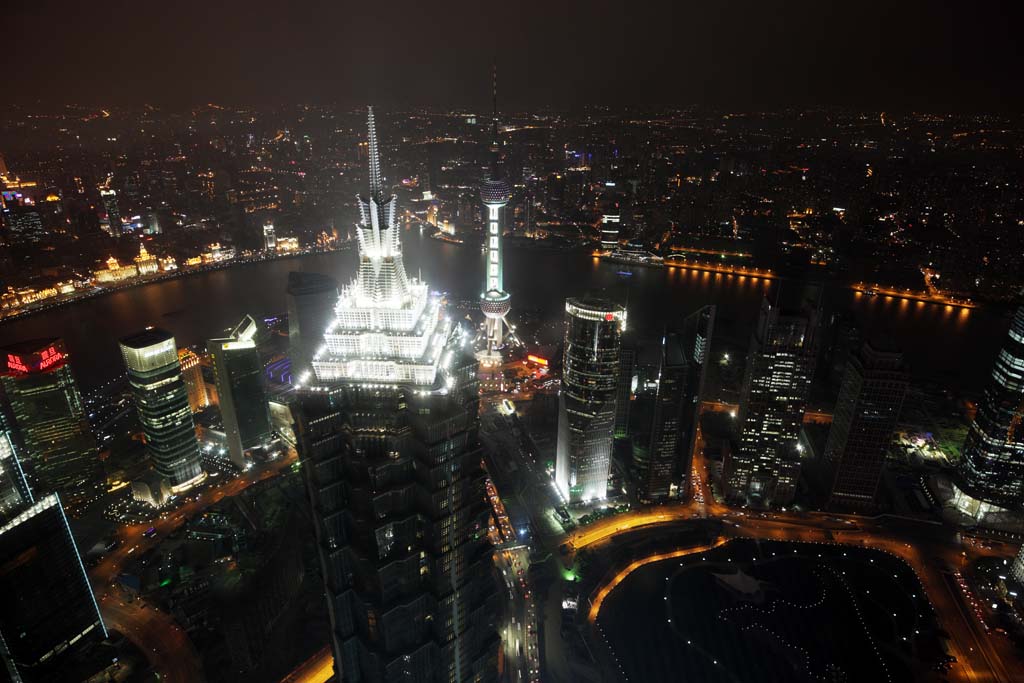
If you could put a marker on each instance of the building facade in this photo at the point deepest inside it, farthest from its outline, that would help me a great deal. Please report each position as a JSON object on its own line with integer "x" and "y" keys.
{"x": 870, "y": 399}
{"x": 696, "y": 334}
{"x": 626, "y": 385}
{"x": 49, "y": 612}
{"x": 44, "y": 409}
{"x": 311, "y": 298}
{"x": 238, "y": 373}
{"x": 387, "y": 430}
{"x": 990, "y": 474}
{"x": 780, "y": 365}
{"x": 657, "y": 472}
{"x": 192, "y": 373}
{"x": 161, "y": 399}
{"x": 586, "y": 415}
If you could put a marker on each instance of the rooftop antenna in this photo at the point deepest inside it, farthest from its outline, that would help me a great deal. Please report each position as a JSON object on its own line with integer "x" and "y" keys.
{"x": 494, "y": 101}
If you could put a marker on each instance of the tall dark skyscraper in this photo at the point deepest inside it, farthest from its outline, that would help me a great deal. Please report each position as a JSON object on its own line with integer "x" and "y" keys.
{"x": 388, "y": 435}
{"x": 657, "y": 470}
{"x": 238, "y": 373}
{"x": 48, "y": 611}
{"x": 586, "y": 404}
{"x": 696, "y": 333}
{"x": 311, "y": 298}
{"x": 161, "y": 399}
{"x": 664, "y": 466}
{"x": 624, "y": 387}
{"x": 869, "y": 404}
{"x": 991, "y": 470}
{"x": 45, "y": 411}
{"x": 780, "y": 365}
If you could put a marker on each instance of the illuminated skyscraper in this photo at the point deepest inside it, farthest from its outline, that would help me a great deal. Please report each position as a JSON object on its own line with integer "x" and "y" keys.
{"x": 161, "y": 399}
{"x": 48, "y": 612}
{"x": 45, "y": 411}
{"x": 495, "y": 302}
{"x": 870, "y": 399}
{"x": 991, "y": 470}
{"x": 113, "y": 219}
{"x": 387, "y": 431}
{"x": 195, "y": 385}
{"x": 586, "y": 404}
{"x": 780, "y": 365}
{"x": 243, "y": 401}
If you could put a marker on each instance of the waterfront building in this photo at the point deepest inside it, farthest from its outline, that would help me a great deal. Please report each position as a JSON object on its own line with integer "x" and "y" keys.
{"x": 990, "y": 475}
{"x": 145, "y": 262}
{"x": 780, "y": 364}
{"x": 44, "y": 409}
{"x": 48, "y": 614}
{"x": 195, "y": 385}
{"x": 161, "y": 399}
{"x": 115, "y": 272}
{"x": 495, "y": 302}
{"x": 387, "y": 430}
{"x": 587, "y": 402}
{"x": 238, "y": 373}
{"x": 311, "y": 298}
{"x": 870, "y": 399}
{"x": 269, "y": 237}
{"x": 286, "y": 244}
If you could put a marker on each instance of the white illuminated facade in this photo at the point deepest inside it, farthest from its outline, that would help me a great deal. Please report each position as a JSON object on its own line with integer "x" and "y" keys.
{"x": 587, "y": 402}
{"x": 387, "y": 328}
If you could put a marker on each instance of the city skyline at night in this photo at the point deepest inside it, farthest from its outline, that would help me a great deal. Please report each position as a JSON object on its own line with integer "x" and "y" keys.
{"x": 699, "y": 358}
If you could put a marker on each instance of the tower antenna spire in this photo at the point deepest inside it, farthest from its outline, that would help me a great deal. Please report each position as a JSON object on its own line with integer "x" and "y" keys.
{"x": 376, "y": 182}
{"x": 494, "y": 101}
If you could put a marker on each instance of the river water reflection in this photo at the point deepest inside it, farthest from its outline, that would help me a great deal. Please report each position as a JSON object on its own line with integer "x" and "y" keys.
{"x": 950, "y": 345}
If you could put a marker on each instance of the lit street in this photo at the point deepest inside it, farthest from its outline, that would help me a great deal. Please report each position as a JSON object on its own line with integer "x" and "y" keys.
{"x": 154, "y": 632}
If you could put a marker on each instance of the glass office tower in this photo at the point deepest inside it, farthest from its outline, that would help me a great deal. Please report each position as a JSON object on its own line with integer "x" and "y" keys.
{"x": 45, "y": 410}
{"x": 991, "y": 469}
{"x": 48, "y": 612}
{"x": 387, "y": 431}
{"x": 587, "y": 402}
{"x": 780, "y": 365}
{"x": 161, "y": 399}
{"x": 238, "y": 373}
{"x": 868, "y": 408}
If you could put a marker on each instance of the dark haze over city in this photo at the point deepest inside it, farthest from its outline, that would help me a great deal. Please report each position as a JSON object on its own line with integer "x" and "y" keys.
{"x": 891, "y": 55}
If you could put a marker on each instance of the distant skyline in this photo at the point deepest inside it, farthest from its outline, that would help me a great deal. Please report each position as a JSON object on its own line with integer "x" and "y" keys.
{"x": 733, "y": 53}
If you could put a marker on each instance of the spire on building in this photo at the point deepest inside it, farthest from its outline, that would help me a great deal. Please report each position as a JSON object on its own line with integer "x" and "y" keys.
{"x": 376, "y": 180}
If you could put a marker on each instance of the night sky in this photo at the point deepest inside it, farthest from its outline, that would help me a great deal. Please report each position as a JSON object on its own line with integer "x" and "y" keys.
{"x": 734, "y": 53}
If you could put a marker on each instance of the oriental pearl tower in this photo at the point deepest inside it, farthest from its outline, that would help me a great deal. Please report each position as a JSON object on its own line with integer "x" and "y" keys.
{"x": 495, "y": 302}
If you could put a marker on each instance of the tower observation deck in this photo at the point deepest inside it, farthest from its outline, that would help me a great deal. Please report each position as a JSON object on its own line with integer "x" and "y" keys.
{"x": 495, "y": 302}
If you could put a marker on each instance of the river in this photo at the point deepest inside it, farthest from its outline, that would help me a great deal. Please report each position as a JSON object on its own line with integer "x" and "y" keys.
{"x": 953, "y": 346}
